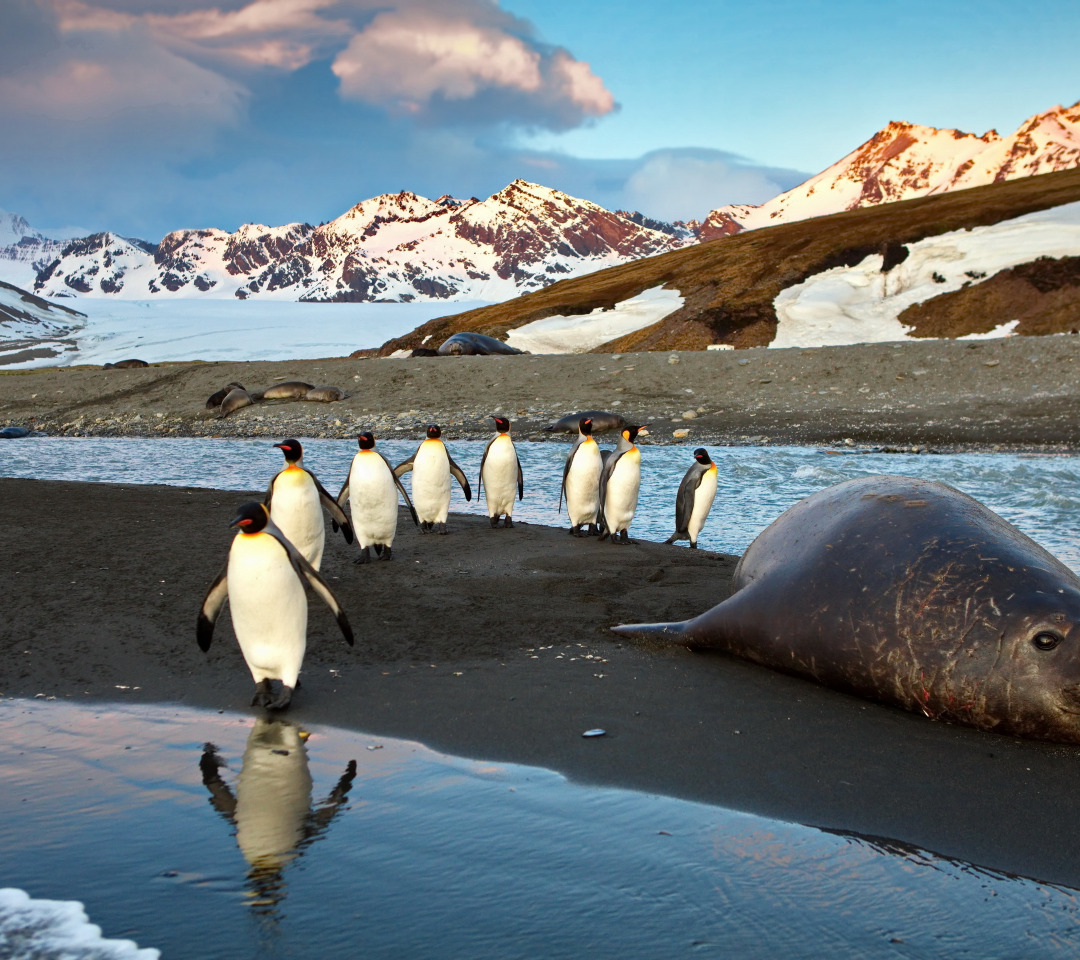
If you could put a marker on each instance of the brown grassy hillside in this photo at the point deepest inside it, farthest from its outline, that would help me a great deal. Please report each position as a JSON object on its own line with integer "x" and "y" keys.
{"x": 729, "y": 284}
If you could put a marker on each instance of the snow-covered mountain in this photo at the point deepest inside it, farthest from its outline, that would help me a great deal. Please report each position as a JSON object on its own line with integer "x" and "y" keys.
{"x": 906, "y": 160}
{"x": 34, "y": 331}
{"x": 396, "y": 247}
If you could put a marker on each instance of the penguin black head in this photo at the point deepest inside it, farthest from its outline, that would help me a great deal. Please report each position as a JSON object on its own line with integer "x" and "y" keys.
{"x": 366, "y": 440}
{"x": 631, "y": 433}
{"x": 292, "y": 450}
{"x": 501, "y": 424}
{"x": 701, "y": 455}
{"x": 433, "y": 432}
{"x": 251, "y": 517}
{"x": 585, "y": 425}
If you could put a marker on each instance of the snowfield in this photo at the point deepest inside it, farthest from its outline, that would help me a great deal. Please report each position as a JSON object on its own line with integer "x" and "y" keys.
{"x": 861, "y": 304}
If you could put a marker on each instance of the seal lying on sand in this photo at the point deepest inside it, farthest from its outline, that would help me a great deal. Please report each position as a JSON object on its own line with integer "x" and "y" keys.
{"x": 125, "y": 364}
{"x": 215, "y": 399}
{"x": 601, "y": 421}
{"x": 325, "y": 394}
{"x": 289, "y": 390}
{"x": 235, "y": 399}
{"x": 911, "y": 593}
{"x": 475, "y": 345}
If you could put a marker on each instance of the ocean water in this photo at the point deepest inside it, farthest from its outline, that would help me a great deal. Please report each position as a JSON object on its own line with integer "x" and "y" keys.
{"x": 1040, "y": 494}
{"x": 214, "y": 835}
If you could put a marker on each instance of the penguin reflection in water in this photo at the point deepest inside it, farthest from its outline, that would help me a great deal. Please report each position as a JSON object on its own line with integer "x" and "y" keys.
{"x": 264, "y": 582}
{"x": 270, "y": 805}
{"x": 500, "y": 470}
{"x": 694, "y": 499}
{"x": 371, "y": 489}
{"x": 432, "y": 467}
{"x": 620, "y": 483}
{"x": 296, "y": 499}
{"x": 581, "y": 481}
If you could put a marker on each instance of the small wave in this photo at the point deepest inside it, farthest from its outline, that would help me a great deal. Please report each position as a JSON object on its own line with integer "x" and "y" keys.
{"x": 57, "y": 930}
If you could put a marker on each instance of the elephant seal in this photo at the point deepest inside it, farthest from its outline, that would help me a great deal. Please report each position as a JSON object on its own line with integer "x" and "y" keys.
{"x": 602, "y": 421}
{"x": 325, "y": 394}
{"x": 913, "y": 594}
{"x": 234, "y": 400}
{"x": 289, "y": 390}
{"x": 14, "y": 433}
{"x": 215, "y": 399}
{"x": 125, "y": 364}
{"x": 474, "y": 345}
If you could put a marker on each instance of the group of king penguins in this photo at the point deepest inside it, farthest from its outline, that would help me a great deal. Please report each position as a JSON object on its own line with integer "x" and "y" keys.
{"x": 278, "y": 548}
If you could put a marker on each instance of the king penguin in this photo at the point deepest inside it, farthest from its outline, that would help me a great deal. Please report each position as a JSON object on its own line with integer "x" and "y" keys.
{"x": 371, "y": 489}
{"x": 694, "y": 499}
{"x": 432, "y": 467}
{"x": 620, "y": 483}
{"x": 581, "y": 480}
{"x": 264, "y": 584}
{"x": 295, "y": 499}
{"x": 500, "y": 470}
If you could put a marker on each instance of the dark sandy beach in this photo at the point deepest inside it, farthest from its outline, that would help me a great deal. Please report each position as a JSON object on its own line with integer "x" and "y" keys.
{"x": 495, "y": 644}
{"x": 1018, "y": 392}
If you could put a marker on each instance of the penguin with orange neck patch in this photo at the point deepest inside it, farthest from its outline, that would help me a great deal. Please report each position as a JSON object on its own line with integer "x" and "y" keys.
{"x": 296, "y": 499}
{"x": 432, "y": 467}
{"x": 500, "y": 470}
{"x": 620, "y": 483}
{"x": 264, "y": 582}
{"x": 371, "y": 490}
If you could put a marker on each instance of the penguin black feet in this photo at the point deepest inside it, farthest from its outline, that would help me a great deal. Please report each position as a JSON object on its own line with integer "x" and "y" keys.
{"x": 494, "y": 521}
{"x": 594, "y": 530}
{"x": 386, "y": 553}
{"x": 264, "y": 696}
{"x": 426, "y": 526}
{"x": 508, "y": 522}
{"x": 693, "y": 544}
{"x": 365, "y": 556}
{"x": 282, "y": 700}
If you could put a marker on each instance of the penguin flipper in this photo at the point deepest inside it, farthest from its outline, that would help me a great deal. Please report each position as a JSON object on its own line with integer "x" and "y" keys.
{"x": 222, "y": 798}
{"x": 322, "y": 588}
{"x": 566, "y": 468}
{"x": 269, "y": 492}
{"x": 343, "y": 496}
{"x": 405, "y": 466}
{"x": 404, "y": 492}
{"x": 521, "y": 478}
{"x": 459, "y": 475}
{"x": 211, "y": 607}
{"x": 605, "y": 475}
{"x": 337, "y": 515}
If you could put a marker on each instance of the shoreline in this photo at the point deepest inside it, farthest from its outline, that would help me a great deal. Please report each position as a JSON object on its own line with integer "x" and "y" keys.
{"x": 494, "y": 644}
{"x": 1015, "y": 393}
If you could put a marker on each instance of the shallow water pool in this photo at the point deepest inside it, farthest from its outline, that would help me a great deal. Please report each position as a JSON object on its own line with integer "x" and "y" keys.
{"x": 213, "y": 835}
{"x": 1038, "y": 493}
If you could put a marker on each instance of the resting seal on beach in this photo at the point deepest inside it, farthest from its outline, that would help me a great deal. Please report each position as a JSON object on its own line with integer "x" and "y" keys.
{"x": 601, "y": 422}
{"x": 215, "y": 399}
{"x": 325, "y": 394}
{"x": 289, "y": 390}
{"x": 913, "y": 594}
{"x": 125, "y": 364}
{"x": 235, "y": 399}
{"x": 474, "y": 345}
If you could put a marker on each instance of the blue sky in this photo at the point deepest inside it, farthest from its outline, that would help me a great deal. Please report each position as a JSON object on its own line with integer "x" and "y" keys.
{"x": 143, "y": 116}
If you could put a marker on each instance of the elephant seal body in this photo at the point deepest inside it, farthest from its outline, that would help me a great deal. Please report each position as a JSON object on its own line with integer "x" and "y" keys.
{"x": 913, "y": 594}
{"x": 475, "y": 345}
{"x": 325, "y": 394}
{"x": 215, "y": 399}
{"x": 289, "y": 390}
{"x": 125, "y": 364}
{"x": 601, "y": 422}
{"x": 234, "y": 400}
{"x": 14, "y": 433}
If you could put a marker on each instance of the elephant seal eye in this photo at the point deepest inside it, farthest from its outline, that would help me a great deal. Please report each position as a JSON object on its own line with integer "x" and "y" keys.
{"x": 1046, "y": 641}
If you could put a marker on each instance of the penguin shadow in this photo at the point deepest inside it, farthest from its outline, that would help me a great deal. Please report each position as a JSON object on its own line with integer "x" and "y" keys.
{"x": 270, "y": 805}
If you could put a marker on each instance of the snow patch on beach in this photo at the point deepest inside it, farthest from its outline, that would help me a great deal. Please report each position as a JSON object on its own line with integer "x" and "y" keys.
{"x": 579, "y": 334}
{"x": 860, "y": 304}
{"x": 177, "y": 330}
{"x": 57, "y": 930}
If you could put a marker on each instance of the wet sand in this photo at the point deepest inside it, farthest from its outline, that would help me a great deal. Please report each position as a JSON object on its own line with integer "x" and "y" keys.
{"x": 494, "y": 644}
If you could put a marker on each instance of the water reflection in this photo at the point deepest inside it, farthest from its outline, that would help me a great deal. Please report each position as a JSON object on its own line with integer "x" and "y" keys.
{"x": 271, "y": 805}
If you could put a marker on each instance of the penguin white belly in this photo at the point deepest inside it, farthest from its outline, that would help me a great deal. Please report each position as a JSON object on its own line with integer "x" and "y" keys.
{"x": 296, "y": 509}
{"x": 583, "y": 484}
{"x": 500, "y": 477}
{"x": 431, "y": 482}
{"x": 273, "y": 795}
{"x": 703, "y": 501}
{"x": 269, "y": 608}
{"x": 373, "y": 500}
{"x": 621, "y": 496}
